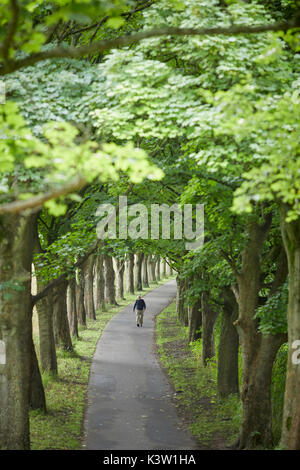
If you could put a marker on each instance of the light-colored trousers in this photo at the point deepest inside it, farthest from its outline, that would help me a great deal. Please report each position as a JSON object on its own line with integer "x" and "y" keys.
{"x": 139, "y": 315}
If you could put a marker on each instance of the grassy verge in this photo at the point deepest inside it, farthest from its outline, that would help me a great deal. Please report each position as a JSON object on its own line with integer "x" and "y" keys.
{"x": 213, "y": 421}
{"x": 62, "y": 426}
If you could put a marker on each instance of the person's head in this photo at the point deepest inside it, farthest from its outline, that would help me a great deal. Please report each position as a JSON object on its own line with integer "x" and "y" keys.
{"x": 139, "y": 297}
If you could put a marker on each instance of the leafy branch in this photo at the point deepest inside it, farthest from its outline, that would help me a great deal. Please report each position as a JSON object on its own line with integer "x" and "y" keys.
{"x": 126, "y": 40}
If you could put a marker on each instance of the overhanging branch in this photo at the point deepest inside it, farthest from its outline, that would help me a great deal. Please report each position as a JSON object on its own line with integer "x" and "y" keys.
{"x": 99, "y": 46}
{"x": 37, "y": 201}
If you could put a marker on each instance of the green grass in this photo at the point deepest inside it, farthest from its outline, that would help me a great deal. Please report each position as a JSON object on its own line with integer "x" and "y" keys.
{"x": 62, "y": 426}
{"x": 213, "y": 421}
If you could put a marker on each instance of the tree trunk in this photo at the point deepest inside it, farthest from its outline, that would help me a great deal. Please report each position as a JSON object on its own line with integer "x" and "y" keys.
{"x": 61, "y": 325}
{"x": 195, "y": 320}
{"x": 164, "y": 273}
{"x": 37, "y": 399}
{"x": 81, "y": 313}
{"x": 258, "y": 353}
{"x": 48, "y": 359}
{"x": 88, "y": 269}
{"x": 100, "y": 284}
{"x": 71, "y": 308}
{"x": 130, "y": 284}
{"x": 140, "y": 258}
{"x": 290, "y": 438}
{"x": 16, "y": 252}
{"x": 209, "y": 317}
{"x": 158, "y": 269}
{"x": 145, "y": 277}
{"x": 152, "y": 260}
{"x": 181, "y": 308}
{"x": 120, "y": 278}
{"x": 110, "y": 291}
{"x": 228, "y": 373}
{"x": 179, "y": 297}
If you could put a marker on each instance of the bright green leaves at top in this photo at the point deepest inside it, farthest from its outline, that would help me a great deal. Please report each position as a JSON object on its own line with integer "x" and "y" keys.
{"x": 157, "y": 89}
{"x": 34, "y": 20}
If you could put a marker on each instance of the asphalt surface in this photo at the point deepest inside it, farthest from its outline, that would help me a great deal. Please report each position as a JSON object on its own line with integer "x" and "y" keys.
{"x": 128, "y": 403}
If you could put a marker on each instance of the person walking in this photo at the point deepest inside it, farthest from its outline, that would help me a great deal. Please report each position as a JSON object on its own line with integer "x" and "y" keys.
{"x": 140, "y": 307}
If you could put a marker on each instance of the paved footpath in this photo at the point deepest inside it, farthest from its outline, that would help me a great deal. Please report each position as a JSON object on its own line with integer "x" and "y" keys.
{"x": 128, "y": 403}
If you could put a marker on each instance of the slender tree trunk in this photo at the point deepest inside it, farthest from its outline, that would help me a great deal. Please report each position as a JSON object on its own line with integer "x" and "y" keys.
{"x": 290, "y": 438}
{"x": 37, "y": 399}
{"x": 145, "y": 277}
{"x": 46, "y": 334}
{"x": 44, "y": 309}
{"x": 120, "y": 278}
{"x": 81, "y": 313}
{"x": 209, "y": 317}
{"x": 101, "y": 284}
{"x": 228, "y": 373}
{"x": 195, "y": 320}
{"x": 158, "y": 269}
{"x": 71, "y": 308}
{"x": 153, "y": 260}
{"x": 16, "y": 252}
{"x": 140, "y": 258}
{"x": 62, "y": 334}
{"x": 179, "y": 297}
{"x": 88, "y": 269}
{"x": 130, "y": 285}
{"x": 164, "y": 272}
{"x": 181, "y": 308}
{"x": 110, "y": 291}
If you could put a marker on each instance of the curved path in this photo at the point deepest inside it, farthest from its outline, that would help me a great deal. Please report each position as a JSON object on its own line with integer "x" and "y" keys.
{"x": 129, "y": 405}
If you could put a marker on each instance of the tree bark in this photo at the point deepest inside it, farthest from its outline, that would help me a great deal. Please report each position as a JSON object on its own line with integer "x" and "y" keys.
{"x": 290, "y": 438}
{"x": 169, "y": 270}
{"x": 88, "y": 269}
{"x": 62, "y": 334}
{"x": 46, "y": 334}
{"x": 81, "y": 313}
{"x": 158, "y": 268}
{"x": 101, "y": 284}
{"x": 209, "y": 317}
{"x": 181, "y": 308}
{"x": 16, "y": 251}
{"x": 228, "y": 373}
{"x": 195, "y": 320}
{"x": 258, "y": 353}
{"x": 140, "y": 259}
{"x": 130, "y": 280}
{"x": 37, "y": 399}
{"x": 120, "y": 278}
{"x": 145, "y": 277}
{"x": 110, "y": 291}
{"x": 164, "y": 272}
{"x": 71, "y": 308}
{"x": 152, "y": 261}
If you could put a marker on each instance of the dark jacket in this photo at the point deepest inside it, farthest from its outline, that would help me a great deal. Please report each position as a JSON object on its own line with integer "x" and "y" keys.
{"x": 139, "y": 304}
